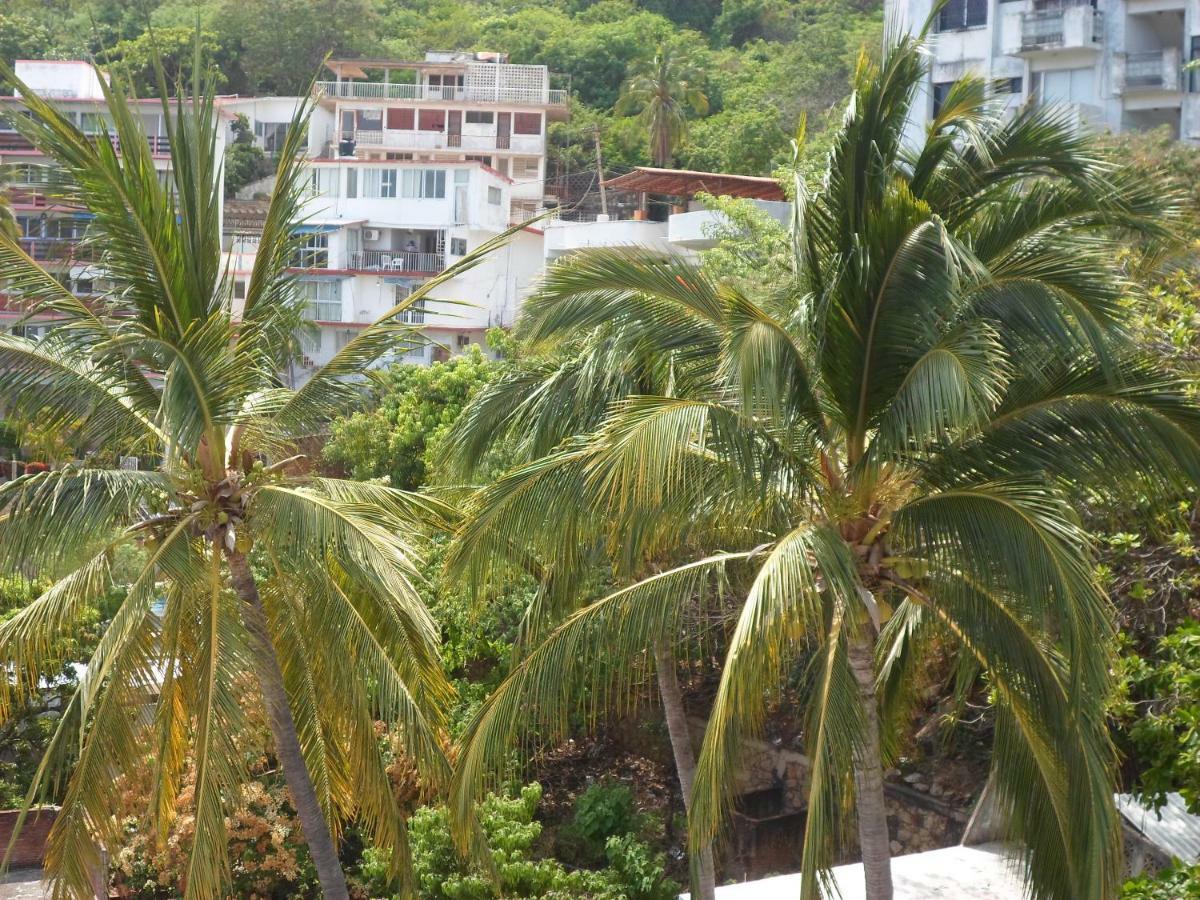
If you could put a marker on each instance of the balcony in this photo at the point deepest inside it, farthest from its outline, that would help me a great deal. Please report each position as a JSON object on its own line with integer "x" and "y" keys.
{"x": 423, "y": 93}
{"x": 1152, "y": 72}
{"x": 65, "y": 250}
{"x": 409, "y": 140}
{"x": 396, "y": 261}
{"x": 1057, "y": 30}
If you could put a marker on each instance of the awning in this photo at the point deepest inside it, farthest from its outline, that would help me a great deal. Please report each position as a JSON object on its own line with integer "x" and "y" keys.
{"x": 315, "y": 228}
{"x": 688, "y": 183}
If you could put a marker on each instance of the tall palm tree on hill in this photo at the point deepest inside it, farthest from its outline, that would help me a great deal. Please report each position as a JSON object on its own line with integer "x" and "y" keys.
{"x": 302, "y": 583}
{"x": 660, "y": 91}
{"x": 885, "y": 447}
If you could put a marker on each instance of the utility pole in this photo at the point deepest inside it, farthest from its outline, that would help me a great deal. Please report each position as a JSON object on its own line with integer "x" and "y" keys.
{"x": 600, "y": 171}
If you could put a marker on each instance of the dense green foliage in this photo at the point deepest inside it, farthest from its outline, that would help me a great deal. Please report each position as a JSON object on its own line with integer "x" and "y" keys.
{"x": 1181, "y": 883}
{"x": 762, "y": 63}
{"x": 413, "y": 407}
{"x": 632, "y": 872}
{"x": 1159, "y": 711}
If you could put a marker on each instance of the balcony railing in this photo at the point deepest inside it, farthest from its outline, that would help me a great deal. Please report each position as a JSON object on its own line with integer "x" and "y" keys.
{"x": 374, "y": 90}
{"x": 1156, "y": 70}
{"x": 396, "y": 261}
{"x": 56, "y": 249}
{"x": 440, "y": 140}
{"x": 1076, "y": 26}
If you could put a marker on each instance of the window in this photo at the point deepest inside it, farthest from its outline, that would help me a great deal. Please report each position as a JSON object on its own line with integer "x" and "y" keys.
{"x": 941, "y": 90}
{"x": 95, "y": 123}
{"x": 478, "y": 117}
{"x": 401, "y": 119}
{"x": 398, "y": 156}
{"x": 494, "y": 196}
{"x": 1065, "y": 86}
{"x": 352, "y": 183}
{"x": 531, "y": 123}
{"x": 271, "y": 135}
{"x": 313, "y": 253}
{"x": 958, "y": 15}
{"x": 458, "y": 246}
{"x": 415, "y": 314}
{"x": 323, "y": 300}
{"x": 369, "y": 120}
{"x": 310, "y": 340}
{"x": 426, "y": 184}
{"x": 525, "y": 168}
{"x": 464, "y": 340}
{"x": 378, "y": 183}
{"x": 431, "y": 120}
{"x": 1009, "y": 86}
{"x": 239, "y": 289}
{"x": 323, "y": 182}
{"x": 475, "y": 157}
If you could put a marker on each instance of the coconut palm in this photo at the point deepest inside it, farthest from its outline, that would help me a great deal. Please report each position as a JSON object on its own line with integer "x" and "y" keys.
{"x": 661, "y": 91}
{"x": 886, "y": 447}
{"x": 254, "y": 568}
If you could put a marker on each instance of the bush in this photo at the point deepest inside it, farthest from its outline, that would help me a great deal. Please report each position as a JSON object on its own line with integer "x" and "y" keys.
{"x": 602, "y": 812}
{"x": 1158, "y": 717}
{"x": 508, "y": 822}
{"x": 1182, "y": 883}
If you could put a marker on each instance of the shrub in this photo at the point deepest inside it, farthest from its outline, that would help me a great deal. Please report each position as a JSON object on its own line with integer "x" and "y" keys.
{"x": 1182, "y": 883}
{"x": 508, "y": 822}
{"x": 603, "y": 811}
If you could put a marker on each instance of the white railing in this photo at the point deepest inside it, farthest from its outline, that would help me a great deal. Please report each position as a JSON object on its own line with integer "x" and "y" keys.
{"x": 440, "y": 140}
{"x": 375, "y": 90}
{"x": 1074, "y": 25}
{"x": 1155, "y": 70}
{"x": 396, "y": 261}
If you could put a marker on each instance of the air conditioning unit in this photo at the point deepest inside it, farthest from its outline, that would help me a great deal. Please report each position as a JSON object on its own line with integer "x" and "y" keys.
{"x": 370, "y": 234}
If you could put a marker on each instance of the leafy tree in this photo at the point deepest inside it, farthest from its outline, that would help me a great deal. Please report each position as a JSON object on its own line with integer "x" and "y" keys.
{"x": 414, "y": 408}
{"x": 661, "y": 91}
{"x": 235, "y": 531}
{"x": 885, "y": 445}
{"x": 1158, "y": 712}
{"x": 244, "y": 159}
{"x": 173, "y": 49}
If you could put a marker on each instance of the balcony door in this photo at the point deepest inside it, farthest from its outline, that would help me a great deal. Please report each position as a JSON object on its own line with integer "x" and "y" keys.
{"x": 454, "y": 128}
{"x": 503, "y": 130}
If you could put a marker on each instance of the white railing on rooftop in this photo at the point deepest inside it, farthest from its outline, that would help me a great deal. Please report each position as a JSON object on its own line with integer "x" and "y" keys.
{"x": 375, "y": 90}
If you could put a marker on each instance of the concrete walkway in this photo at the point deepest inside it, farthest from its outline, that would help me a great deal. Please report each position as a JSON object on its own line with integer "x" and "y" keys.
{"x": 952, "y": 873}
{"x": 22, "y": 884}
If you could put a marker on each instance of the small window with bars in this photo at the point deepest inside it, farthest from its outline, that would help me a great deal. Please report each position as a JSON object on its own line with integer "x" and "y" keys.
{"x": 959, "y": 15}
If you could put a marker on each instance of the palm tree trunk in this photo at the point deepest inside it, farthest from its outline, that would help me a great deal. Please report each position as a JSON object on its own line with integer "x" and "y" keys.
{"x": 868, "y": 775}
{"x": 283, "y": 730}
{"x": 685, "y": 758}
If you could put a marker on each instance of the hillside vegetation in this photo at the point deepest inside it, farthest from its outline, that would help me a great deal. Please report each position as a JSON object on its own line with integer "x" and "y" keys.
{"x": 763, "y": 63}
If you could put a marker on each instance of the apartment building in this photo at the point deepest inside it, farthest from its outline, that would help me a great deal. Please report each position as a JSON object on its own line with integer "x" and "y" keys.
{"x": 1116, "y": 65}
{"x": 51, "y": 232}
{"x": 413, "y": 165}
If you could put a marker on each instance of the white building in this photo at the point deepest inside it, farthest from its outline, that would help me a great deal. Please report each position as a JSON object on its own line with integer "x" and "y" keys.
{"x": 51, "y": 232}
{"x": 1117, "y": 64}
{"x": 413, "y": 166}
{"x": 688, "y": 228}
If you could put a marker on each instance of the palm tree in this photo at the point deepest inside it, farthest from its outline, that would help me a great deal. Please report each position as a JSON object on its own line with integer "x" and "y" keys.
{"x": 264, "y": 570}
{"x": 885, "y": 447}
{"x": 661, "y": 91}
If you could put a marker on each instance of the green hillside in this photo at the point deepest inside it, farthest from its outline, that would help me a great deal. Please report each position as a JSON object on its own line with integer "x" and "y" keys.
{"x": 763, "y": 63}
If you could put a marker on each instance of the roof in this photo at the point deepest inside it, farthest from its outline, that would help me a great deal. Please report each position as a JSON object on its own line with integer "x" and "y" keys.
{"x": 688, "y": 183}
{"x": 1172, "y": 829}
{"x": 355, "y": 68}
{"x": 984, "y": 872}
{"x": 245, "y": 215}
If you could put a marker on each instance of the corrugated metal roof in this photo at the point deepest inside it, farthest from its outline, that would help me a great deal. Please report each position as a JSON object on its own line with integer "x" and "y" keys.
{"x": 1173, "y": 829}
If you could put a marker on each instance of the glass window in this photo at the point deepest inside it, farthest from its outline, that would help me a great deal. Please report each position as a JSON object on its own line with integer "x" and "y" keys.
{"x": 271, "y": 135}
{"x": 415, "y": 314}
{"x": 239, "y": 289}
{"x": 313, "y": 253}
{"x": 941, "y": 90}
{"x": 369, "y": 120}
{"x": 957, "y": 15}
{"x": 479, "y": 117}
{"x": 323, "y": 300}
{"x": 431, "y": 120}
{"x": 435, "y": 183}
{"x": 427, "y": 184}
{"x": 351, "y": 183}
{"x": 494, "y": 196}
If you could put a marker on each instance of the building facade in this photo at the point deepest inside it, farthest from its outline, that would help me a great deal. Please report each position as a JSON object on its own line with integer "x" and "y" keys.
{"x": 1116, "y": 65}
